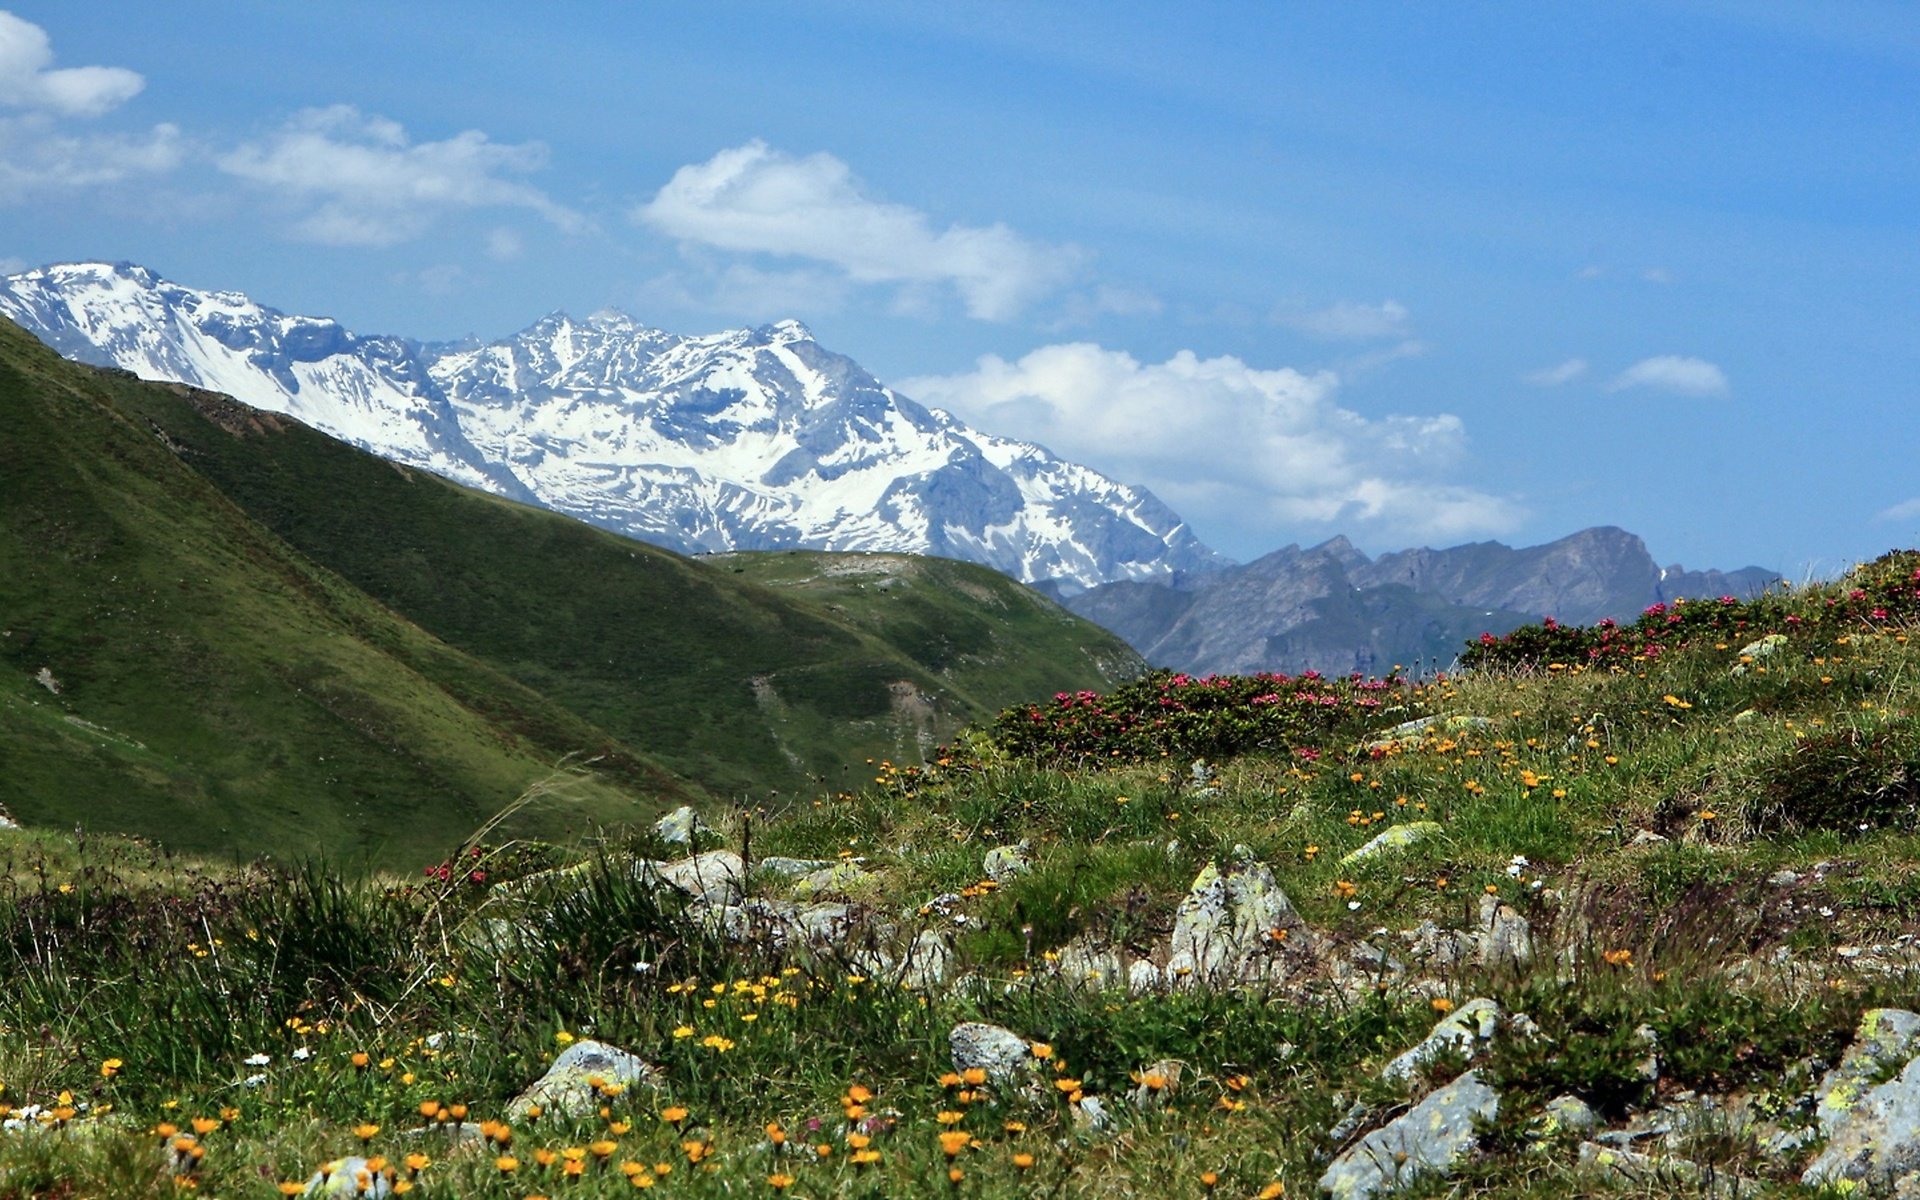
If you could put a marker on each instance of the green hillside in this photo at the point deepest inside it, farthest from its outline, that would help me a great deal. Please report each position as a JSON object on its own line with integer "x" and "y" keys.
{"x": 174, "y": 669}
{"x": 740, "y": 686}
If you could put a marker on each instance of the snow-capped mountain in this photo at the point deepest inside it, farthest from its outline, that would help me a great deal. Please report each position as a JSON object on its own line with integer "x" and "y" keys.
{"x": 748, "y": 439}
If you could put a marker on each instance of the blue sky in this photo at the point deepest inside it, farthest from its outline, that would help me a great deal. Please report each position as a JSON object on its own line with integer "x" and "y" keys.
{"x": 1416, "y": 274}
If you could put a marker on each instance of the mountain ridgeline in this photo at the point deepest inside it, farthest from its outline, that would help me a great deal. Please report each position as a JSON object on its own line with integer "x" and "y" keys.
{"x": 1333, "y": 609}
{"x": 741, "y": 440}
{"x": 231, "y": 632}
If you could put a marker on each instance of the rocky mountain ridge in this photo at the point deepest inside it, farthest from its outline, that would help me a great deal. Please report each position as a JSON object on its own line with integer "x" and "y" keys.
{"x": 1333, "y": 609}
{"x": 745, "y": 439}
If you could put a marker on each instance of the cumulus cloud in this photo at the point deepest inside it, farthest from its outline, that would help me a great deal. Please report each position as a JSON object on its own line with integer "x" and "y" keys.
{"x": 29, "y": 80}
{"x": 360, "y": 180}
{"x": 1348, "y": 321}
{"x": 1673, "y": 373}
{"x": 1554, "y": 376}
{"x": 1229, "y": 445}
{"x": 753, "y": 199}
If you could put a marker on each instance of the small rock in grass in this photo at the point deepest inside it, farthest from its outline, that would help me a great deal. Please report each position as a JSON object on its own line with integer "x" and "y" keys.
{"x": 1464, "y": 1031}
{"x": 1090, "y": 1113}
{"x": 350, "y": 1176}
{"x": 1234, "y": 927}
{"x": 567, "y": 1089}
{"x": 1144, "y": 976}
{"x": 1505, "y": 936}
{"x": 1398, "y": 837}
{"x": 1430, "y": 1138}
{"x": 683, "y": 827}
{"x": 1660, "y": 1175}
{"x": 1156, "y": 1083}
{"x": 1567, "y": 1116}
{"x": 793, "y": 868}
{"x": 1001, "y": 1053}
{"x": 712, "y": 878}
{"x": 1006, "y": 862}
{"x": 841, "y": 879}
{"x": 927, "y": 964}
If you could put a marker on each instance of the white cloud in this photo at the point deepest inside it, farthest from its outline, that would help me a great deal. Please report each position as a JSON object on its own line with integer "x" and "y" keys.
{"x": 1554, "y": 376}
{"x": 1349, "y": 321}
{"x": 1906, "y": 510}
{"x": 1592, "y": 271}
{"x": 1673, "y": 373}
{"x": 361, "y": 181}
{"x": 1262, "y": 451}
{"x": 35, "y": 156}
{"x": 29, "y": 80}
{"x": 1657, "y": 275}
{"x": 753, "y": 199}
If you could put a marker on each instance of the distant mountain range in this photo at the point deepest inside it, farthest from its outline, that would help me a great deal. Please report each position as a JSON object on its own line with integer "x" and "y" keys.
{"x": 1332, "y": 609}
{"x": 763, "y": 439}
{"x": 747, "y": 439}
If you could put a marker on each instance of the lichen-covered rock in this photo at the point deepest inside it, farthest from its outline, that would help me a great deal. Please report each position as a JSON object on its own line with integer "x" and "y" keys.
{"x": 1651, "y": 1175}
{"x": 1886, "y": 1039}
{"x": 1007, "y": 862}
{"x": 1399, "y": 837}
{"x": 836, "y": 879}
{"x": 1465, "y": 1031}
{"x": 1766, "y": 647}
{"x": 1430, "y": 1138}
{"x": 1003, "y": 1054}
{"x": 683, "y": 827}
{"x": 1877, "y": 1141}
{"x": 568, "y": 1088}
{"x": 1234, "y": 927}
{"x": 1567, "y": 1117}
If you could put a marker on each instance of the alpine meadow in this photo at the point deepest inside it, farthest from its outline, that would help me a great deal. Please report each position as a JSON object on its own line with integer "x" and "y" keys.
{"x": 972, "y": 601}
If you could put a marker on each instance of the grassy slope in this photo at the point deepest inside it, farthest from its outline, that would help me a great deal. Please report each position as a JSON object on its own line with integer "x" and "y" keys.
{"x": 737, "y": 685}
{"x": 217, "y": 690}
{"x": 986, "y": 636}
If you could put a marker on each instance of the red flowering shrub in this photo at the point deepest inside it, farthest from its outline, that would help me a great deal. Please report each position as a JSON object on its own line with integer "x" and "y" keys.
{"x": 1882, "y": 592}
{"x": 1174, "y": 715}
